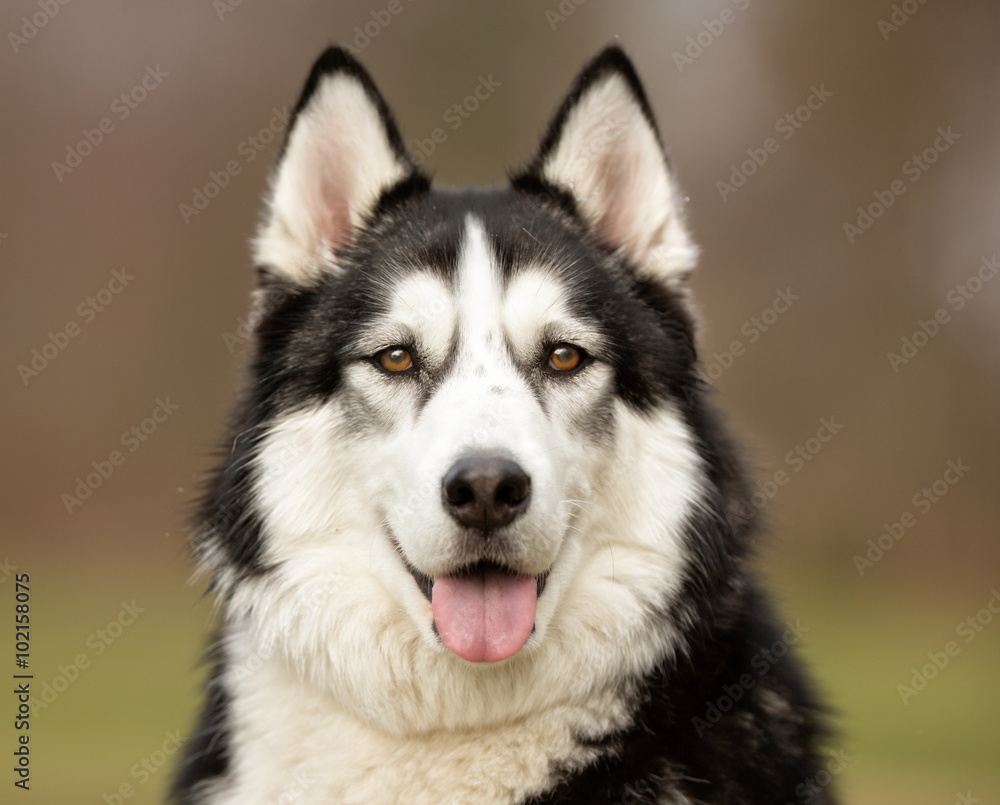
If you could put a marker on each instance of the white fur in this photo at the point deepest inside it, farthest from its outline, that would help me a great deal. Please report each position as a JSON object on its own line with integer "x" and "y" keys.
{"x": 609, "y": 158}
{"x": 333, "y": 666}
{"x": 337, "y": 161}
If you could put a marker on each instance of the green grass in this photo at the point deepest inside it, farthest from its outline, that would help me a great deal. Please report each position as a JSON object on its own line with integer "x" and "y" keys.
{"x": 944, "y": 740}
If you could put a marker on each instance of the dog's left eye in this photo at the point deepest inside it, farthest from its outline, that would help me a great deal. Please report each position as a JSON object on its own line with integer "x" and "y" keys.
{"x": 395, "y": 359}
{"x": 565, "y": 357}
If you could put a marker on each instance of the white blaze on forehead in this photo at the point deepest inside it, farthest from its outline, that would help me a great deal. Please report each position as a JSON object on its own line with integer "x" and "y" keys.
{"x": 478, "y": 289}
{"x": 534, "y": 305}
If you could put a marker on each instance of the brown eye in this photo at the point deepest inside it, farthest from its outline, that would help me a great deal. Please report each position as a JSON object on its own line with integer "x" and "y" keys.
{"x": 395, "y": 359}
{"x": 565, "y": 357}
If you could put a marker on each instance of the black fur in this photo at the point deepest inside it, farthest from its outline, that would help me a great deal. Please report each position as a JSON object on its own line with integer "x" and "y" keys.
{"x": 206, "y": 756}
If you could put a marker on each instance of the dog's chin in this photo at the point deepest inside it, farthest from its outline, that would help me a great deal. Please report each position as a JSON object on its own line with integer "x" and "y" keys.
{"x": 483, "y": 612}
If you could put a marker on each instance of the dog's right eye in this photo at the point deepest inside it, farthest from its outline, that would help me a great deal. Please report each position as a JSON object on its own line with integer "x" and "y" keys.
{"x": 395, "y": 359}
{"x": 565, "y": 357}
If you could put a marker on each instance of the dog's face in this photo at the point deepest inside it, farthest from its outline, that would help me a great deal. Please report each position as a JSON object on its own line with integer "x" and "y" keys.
{"x": 466, "y": 438}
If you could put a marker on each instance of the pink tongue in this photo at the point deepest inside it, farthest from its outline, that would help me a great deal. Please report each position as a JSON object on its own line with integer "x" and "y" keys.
{"x": 486, "y": 615}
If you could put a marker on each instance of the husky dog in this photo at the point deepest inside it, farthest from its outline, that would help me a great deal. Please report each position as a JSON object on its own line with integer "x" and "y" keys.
{"x": 478, "y": 536}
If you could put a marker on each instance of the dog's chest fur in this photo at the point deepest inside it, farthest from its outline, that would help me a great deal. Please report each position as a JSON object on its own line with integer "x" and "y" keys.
{"x": 291, "y": 740}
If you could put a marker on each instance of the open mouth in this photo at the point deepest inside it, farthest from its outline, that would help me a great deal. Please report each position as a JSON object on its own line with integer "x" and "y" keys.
{"x": 483, "y": 612}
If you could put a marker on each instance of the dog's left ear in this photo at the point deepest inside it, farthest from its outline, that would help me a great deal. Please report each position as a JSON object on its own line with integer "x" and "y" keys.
{"x": 603, "y": 151}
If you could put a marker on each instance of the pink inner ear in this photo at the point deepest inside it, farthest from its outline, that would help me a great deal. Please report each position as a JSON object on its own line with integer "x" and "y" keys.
{"x": 333, "y": 211}
{"x": 618, "y": 202}
{"x": 613, "y": 228}
{"x": 338, "y": 232}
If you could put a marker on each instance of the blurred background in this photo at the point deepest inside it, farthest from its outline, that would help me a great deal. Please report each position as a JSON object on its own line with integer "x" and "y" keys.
{"x": 841, "y": 162}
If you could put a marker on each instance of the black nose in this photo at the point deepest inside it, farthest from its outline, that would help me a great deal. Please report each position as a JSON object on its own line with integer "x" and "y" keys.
{"x": 485, "y": 492}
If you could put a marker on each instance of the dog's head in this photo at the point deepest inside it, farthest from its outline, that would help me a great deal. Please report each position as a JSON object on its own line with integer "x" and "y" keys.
{"x": 471, "y": 431}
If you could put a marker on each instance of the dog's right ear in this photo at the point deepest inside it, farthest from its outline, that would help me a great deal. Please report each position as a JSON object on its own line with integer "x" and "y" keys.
{"x": 341, "y": 153}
